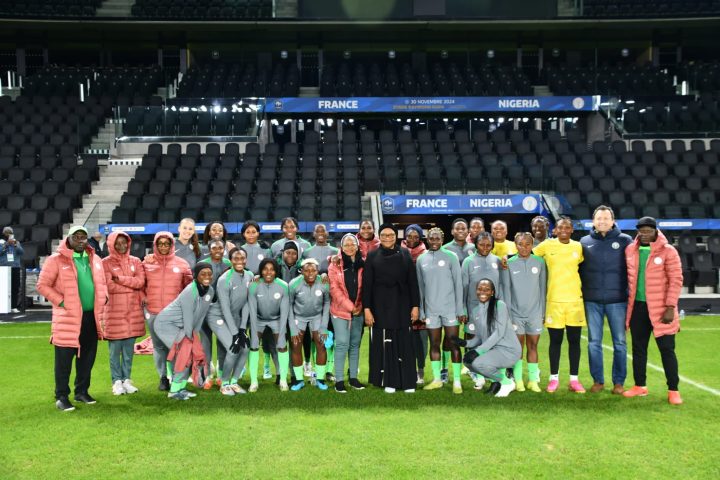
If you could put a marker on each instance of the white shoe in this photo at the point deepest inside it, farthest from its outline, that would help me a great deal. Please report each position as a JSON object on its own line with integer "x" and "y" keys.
{"x": 129, "y": 387}
{"x": 237, "y": 388}
{"x": 118, "y": 388}
{"x": 505, "y": 390}
{"x": 307, "y": 369}
{"x": 479, "y": 382}
{"x": 14, "y": 310}
{"x": 420, "y": 380}
{"x": 189, "y": 394}
{"x": 410, "y": 390}
{"x": 465, "y": 371}
{"x": 389, "y": 390}
{"x": 253, "y": 388}
{"x": 283, "y": 386}
{"x": 227, "y": 390}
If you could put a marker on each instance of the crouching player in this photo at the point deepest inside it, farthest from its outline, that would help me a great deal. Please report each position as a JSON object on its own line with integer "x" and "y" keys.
{"x": 495, "y": 347}
{"x": 524, "y": 291}
{"x": 309, "y": 306}
{"x": 268, "y": 308}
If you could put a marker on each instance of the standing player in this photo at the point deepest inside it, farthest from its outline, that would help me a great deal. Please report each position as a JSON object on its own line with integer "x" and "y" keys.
{"x": 309, "y": 307}
{"x": 441, "y": 304}
{"x": 322, "y": 250}
{"x": 256, "y": 251}
{"x": 540, "y": 226}
{"x": 459, "y": 245}
{"x": 289, "y": 228}
{"x": 367, "y": 238}
{"x": 477, "y": 225}
{"x": 269, "y": 308}
{"x": 524, "y": 286}
{"x": 503, "y": 247}
{"x": 565, "y": 311}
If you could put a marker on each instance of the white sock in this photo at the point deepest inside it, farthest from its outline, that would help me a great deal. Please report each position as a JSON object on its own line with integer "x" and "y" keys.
{"x": 573, "y": 378}
{"x": 456, "y": 382}
{"x": 554, "y": 377}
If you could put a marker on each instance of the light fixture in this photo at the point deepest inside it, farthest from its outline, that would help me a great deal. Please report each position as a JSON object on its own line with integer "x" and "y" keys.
{"x": 391, "y": 54}
{"x": 347, "y": 54}
{"x": 491, "y": 53}
{"x": 443, "y": 54}
{"x": 625, "y": 52}
{"x": 555, "y": 52}
{"x": 284, "y": 54}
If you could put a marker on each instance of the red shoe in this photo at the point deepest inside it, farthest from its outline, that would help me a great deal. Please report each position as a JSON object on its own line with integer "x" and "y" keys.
{"x": 636, "y": 392}
{"x": 208, "y": 384}
{"x": 674, "y": 397}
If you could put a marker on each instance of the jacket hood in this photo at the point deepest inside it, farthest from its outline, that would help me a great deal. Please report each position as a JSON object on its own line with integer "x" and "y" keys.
{"x": 64, "y": 250}
{"x": 111, "y": 244}
{"x": 612, "y": 233}
{"x": 659, "y": 242}
{"x": 172, "y": 245}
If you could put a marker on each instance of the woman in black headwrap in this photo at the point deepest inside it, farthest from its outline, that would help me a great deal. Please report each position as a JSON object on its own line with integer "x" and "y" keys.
{"x": 391, "y": 300}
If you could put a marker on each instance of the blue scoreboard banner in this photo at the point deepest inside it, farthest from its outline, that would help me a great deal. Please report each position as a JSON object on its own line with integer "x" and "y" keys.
{"x": 431, "y": 104}
{"x": 440, "y": 204}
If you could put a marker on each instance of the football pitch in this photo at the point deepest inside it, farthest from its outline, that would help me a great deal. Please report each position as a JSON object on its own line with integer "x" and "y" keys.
{"x": 362, "y": 434}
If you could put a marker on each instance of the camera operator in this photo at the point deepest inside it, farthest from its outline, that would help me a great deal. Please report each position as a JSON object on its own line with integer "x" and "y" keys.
{"x": 11, "y": 256}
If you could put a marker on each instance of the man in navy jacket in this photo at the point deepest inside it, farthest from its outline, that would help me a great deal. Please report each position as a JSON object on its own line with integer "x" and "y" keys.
{"x": 605, "y": 292}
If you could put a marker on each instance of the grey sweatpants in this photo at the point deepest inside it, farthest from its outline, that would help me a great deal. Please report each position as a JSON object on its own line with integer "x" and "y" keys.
{"x": 493, "y": 363}
{"x": 121, "y": 358}
{"x": 232, "y": 363}
{"x": 160, "y": 351}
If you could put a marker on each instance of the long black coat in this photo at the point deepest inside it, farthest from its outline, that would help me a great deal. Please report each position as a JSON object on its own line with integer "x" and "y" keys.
{"x": 390, "y": 288}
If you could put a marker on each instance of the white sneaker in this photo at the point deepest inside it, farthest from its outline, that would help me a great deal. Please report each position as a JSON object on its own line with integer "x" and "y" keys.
{"x": 410, "y": 390}
{"x": 129, "y": 387}
{"x": 14, "y": 310}
{"x": 479, "y": 382}
{"x": 253, "y": 388}
{"x": 307, "y": 369}
{"x": 505, "y": 390}
{"x": 389, "y": 390}
{"x": 283, "y": 386}
{"x": 227, "y": 390}
{"x": 266, "y": 372}
{"x": 118, "y": 388}
{"x": 465, "y": 371}
{"x": 420, "y": 380}
{"x": 237, "y": 388}
{"x": 189, "y": 394}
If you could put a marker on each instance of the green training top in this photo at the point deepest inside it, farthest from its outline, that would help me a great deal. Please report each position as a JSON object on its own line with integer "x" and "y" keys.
{"x": 86, "y": 286}
{"x": 644, "y": 255}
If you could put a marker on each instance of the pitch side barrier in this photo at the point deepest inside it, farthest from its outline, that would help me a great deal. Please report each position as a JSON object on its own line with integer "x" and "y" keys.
{"x": 232, "y": 227}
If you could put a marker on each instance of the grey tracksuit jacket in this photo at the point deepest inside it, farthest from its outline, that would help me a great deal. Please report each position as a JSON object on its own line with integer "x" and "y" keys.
{"x": 183, "y": 316}
{"x": 440, "y": 284}
{"x": 308, "y": 303}
{"x": 321, "y": 254}
{"x": 501, "y": 339}
{"x": 524, "y": 286}
{"x": 255, "y": 253}
{"x": 474, "y": 269}
{"x": 461, "y": 252}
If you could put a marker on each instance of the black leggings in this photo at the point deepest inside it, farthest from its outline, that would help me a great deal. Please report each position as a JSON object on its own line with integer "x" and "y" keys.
{"x": 641, "y": 329}
{"x": 556, "y": 340}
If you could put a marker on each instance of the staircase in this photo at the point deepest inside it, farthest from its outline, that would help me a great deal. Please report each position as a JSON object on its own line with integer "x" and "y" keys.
{"x": 98, "y": 206}
{"x": 566, "y": 8}
{"x": 104, "y": 140}
{"x": 115, "y": 8}
{"x": 307, "y": 92}
{"x": 541, "y": 91}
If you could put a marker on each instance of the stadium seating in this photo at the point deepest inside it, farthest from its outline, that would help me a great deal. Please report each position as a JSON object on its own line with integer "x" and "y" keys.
{"x": 203, "y": 10}
{"x": 649, "y": 8}
{"x": 609, "y": 80}
{"x": 49, "y": 8}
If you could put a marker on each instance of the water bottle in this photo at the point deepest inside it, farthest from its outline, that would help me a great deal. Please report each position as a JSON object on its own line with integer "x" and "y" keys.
{"x": 682, "y": 315}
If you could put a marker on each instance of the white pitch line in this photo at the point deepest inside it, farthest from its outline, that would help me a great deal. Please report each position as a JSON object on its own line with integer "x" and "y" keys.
{"x": 709, "y": 329}
{"x": 661, "y": 370}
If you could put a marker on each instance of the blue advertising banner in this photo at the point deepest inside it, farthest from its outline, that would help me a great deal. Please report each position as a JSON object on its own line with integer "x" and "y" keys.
{"x": 440, "y": 204}
{"x": 628, "y": 225}
{"x": 431, "y": 104}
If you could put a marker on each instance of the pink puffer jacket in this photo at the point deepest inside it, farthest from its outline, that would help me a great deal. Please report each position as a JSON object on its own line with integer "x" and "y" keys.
{"x": 367, "y": 246}
{"x": 124, "y": 314}
{"x": 58, "y": 283}
{"x": 165, "y": 276}
{"x": 341, "y": 305}
{"x": 663, "y": 282}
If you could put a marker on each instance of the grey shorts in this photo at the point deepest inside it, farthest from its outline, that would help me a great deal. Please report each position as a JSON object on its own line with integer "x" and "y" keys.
{"x": 275, "y": 327}
{"x": 527, "y": 326}
{"x": 302, "y": 325}
{"x": 437, "y": 321}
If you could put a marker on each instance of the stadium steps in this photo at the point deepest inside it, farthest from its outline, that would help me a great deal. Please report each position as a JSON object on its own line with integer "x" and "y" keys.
{"x": 566, "y": 8}
{"x": 309, "y": 92}
{"x": 104, "y": 140}
{"x": 98, "y": 206}
{"x": 542, "y": 91}
{"x": 115, "y": 8}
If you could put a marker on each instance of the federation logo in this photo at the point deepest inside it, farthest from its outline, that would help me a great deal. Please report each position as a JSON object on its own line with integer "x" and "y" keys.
{"x": 388, "y": 204}
{"x": 278, "y": 105}
{"x": 441, "y": 263}
{"x": 277, "y": 296}
{"x": 534, "y": 270}
{"x": 615, "y": 245}
{"x": 318, "y": 293}
{"x": 220, "y": 321}
{"x": 529, "y": 203}
{"x": 658, "y": 260}
{"x": 207, "y": 297}
{"x": 578, "y": 103}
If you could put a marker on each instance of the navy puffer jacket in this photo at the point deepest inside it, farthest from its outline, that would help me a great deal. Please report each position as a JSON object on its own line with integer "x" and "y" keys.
{"x": 604, "y": 272}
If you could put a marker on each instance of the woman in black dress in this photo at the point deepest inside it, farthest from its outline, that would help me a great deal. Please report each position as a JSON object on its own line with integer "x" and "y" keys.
{"x": 391, "y": 300}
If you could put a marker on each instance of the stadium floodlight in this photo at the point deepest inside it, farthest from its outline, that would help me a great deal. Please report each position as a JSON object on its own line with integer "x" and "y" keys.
{"x": 491, "y": 53}
{"x": 215, "y": 54}
{"x": 347, "y": 54}
{"x": 391, "y": 54}
{"x": 284, "y": 54}
{"x": 555, "y": 52}
{"x": 443, "y": 54}
{"x": 625, "y": 52}
{"x": 216, "y": 108}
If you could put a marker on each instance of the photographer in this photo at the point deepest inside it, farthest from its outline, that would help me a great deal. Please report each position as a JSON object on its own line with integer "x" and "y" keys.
{"x": 11, "y": 253}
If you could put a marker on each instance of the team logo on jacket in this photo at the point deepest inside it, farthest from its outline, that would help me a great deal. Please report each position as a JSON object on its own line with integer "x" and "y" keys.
{"x": 220, "y": 321}
{"x": 575, "y": 255}
{"x": 494, "y": 265}
{"x": 657, "y": 260}
{"x": 207, "y": 297}
{"x": 535, "y": 270}
{"x": 615, "y": 245}
{"x": 277, "y": 296}
{"x": 176, "y": 270}
{"x": 471, "y": 327}
{"x": 441, "y": 263}
{"x": 318, "y": 293}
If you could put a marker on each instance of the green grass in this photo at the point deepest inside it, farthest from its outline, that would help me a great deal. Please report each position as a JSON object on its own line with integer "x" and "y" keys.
{"x": 368, "y": 434}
